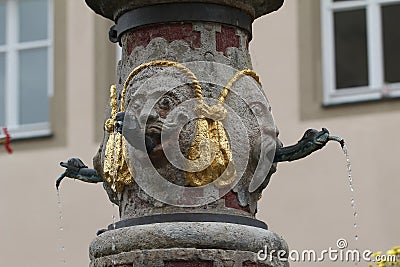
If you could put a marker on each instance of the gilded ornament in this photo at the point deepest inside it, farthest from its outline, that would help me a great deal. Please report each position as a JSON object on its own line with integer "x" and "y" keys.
{"x": 116, "y": 171}
{"x": 209, "y": 127}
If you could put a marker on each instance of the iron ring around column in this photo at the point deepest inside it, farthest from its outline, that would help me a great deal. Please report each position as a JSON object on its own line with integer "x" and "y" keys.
{"x": 180, "y": 12}
{"x": 187, "y": 217}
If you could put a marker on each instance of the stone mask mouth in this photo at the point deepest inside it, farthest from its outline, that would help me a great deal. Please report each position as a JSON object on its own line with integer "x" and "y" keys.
{"x": 155, "y": 143}
{"x": 152, "y": 133}
{"x": 154, "y": 129}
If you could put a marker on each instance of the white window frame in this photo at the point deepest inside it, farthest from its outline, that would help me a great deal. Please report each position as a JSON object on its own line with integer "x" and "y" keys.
{"x": 11, "y": 48}
{"x": 377, "y": 88}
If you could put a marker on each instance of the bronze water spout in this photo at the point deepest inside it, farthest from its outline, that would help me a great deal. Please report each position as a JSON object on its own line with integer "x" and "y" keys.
{"x": 311, "y": 141}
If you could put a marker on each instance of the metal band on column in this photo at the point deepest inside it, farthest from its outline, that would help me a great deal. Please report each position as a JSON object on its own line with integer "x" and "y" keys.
{"x": 189, "y": 217}
{"x": 180, "y": 12}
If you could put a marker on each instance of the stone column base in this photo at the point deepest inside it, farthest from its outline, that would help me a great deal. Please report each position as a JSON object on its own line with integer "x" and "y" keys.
{"x": 186, "y": 257}
{"x": 181, "y": 244}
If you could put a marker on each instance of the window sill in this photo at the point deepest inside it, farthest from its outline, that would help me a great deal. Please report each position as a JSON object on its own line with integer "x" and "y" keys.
{"x": 362, "y": 94}
{"x": 31, "y": 131}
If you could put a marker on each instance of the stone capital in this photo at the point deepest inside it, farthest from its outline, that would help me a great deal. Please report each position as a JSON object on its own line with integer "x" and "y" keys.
{"x": 112, "y": 9}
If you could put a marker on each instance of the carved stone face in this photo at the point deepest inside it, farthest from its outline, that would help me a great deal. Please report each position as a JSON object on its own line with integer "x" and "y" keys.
{"x": 151, "y": 107}
{"x": 165, "y": 105}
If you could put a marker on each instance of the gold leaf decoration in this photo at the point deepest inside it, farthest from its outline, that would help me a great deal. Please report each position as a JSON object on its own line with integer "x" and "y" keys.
{"x": 210, "y": 146}
{"x": 116, "y": 171}
{"x": 209, "y": 126}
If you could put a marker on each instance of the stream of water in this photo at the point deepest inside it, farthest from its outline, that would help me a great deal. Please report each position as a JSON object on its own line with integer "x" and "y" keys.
{"x": 352, "y": 198}
{"x": 61, "y": 229}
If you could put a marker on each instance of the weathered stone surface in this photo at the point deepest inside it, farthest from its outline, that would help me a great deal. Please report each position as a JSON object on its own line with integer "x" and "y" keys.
{"x": 136, "y": 203}
{"x": 176, "y": 263}
{"x": 205, "y": 235}
{"x": 185, "y": 43}
{"x": 187, "y": 256}
{"x": 112, "y": 9}
{"x": 200, "y": 244}
{"x": 197, "y": 42}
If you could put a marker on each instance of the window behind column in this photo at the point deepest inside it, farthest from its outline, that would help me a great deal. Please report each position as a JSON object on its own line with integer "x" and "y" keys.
{"x": 26, "y": 66}
{"x": 360, "y": 41}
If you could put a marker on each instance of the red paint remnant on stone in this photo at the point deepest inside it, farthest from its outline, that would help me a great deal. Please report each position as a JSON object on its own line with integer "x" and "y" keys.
{"x": 227, "y": 38}
{"x": 231, "y": 201}
{"x": 188, "y": 264}
{"x": 170, "y": 32}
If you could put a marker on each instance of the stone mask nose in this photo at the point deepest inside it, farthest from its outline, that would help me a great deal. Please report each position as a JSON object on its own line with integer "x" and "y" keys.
{"x": 133, "y": 133}
{"x": 149, "y": 118}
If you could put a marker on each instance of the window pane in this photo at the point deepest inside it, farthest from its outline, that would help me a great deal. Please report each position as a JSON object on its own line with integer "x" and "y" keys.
{"x": 391, "y": 42}
{"x": 2, "y": 89}
{"x": 32, "y": 20}
{"x": 34, "y": 106}
{"x": 351, "y": 49}
{"x": 2, "y": 23}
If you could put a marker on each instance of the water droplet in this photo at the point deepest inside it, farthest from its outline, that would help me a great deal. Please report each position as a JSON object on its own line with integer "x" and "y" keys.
{"x": 352, "y": 203}
{"x": 60, "y": 228}
{"x": 356, "y": 237}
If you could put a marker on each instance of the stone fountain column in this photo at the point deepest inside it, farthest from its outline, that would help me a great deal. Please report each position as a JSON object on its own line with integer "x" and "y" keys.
{"x": 151, "y": 233}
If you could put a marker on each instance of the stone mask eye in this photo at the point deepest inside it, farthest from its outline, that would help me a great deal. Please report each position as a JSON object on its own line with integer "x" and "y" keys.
{"x": 166, "y": 103}
{"x": 258, "y": 109}
{"x": 137, "y": 103}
